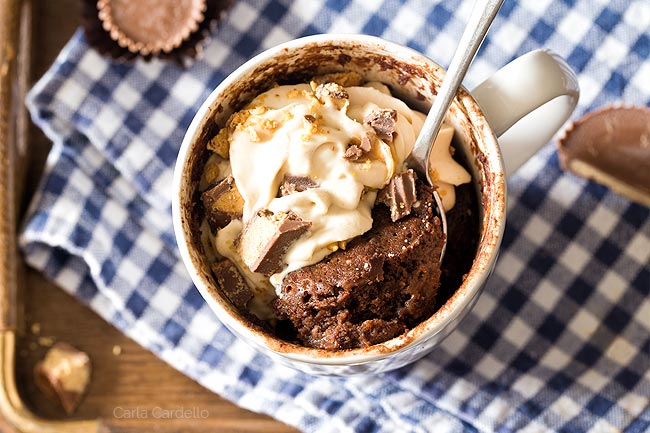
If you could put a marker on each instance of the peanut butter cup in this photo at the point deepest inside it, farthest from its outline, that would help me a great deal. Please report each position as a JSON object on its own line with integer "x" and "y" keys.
{"x": 611, "y": 146}
{"x": 150, "y": 26}
{"x": 169, "y": 30}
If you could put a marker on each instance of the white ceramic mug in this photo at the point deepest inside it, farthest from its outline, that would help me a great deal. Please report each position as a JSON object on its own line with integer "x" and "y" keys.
{"x": 529, "y": 98}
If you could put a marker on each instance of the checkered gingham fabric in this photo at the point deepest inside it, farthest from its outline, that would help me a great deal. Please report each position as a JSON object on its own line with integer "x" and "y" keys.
{"x": 558, "y": 341}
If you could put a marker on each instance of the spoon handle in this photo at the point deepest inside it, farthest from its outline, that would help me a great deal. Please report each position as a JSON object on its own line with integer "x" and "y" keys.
{"x": 479, "y": 22}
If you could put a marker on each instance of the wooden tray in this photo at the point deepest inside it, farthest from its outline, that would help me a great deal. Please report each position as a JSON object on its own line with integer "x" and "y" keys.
{"x": 130, "y": 387}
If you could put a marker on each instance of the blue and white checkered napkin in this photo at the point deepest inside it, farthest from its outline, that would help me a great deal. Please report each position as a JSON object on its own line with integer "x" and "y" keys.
{"x": 559, "y": 340}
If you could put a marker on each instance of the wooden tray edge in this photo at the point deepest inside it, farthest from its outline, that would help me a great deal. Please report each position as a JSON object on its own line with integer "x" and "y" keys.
{"x": 15, "y": 61}
{"x": 18, "y": 413}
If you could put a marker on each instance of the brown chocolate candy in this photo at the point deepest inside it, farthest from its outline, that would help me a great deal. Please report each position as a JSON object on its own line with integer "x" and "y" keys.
{"x": 611, "y": 146}
{"x": 399, "y": 195}
{"x": 332, "y": 93}
{"x": 266, "y": 239}
{"x": 222, "y": 203}
{"x": 357, "y": 150}
{"x": 232, "y": 283}
{"x": 383, "y": 122}
{"x": 292, "y": 184}
{"x": 64, "y": 375}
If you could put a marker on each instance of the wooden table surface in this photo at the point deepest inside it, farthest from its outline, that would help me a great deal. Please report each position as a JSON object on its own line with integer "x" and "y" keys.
{"x": 127, "y": 379}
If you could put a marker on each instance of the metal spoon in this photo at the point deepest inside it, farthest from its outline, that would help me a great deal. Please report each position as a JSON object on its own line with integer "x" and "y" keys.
{"x": 477, "y": 27}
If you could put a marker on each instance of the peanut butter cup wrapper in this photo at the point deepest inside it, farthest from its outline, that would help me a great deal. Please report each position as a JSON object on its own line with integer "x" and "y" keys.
{"x": 611, "y": 146}
{"x": 174, "y": 30}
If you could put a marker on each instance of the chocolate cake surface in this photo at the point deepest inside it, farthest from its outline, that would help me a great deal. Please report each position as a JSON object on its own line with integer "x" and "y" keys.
{"x": 382, "y": 284}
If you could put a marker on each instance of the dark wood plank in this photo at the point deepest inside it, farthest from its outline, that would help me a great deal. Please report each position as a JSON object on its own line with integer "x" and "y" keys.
{"x": 127, "y": 379}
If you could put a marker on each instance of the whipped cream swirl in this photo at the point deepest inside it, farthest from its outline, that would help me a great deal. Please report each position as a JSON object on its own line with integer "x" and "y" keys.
{"x": 289, "y": 131}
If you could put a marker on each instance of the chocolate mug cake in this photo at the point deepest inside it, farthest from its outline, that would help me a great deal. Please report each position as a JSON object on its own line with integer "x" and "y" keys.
{"x": 316, "y": 229}
{"x": 475, "y": 224}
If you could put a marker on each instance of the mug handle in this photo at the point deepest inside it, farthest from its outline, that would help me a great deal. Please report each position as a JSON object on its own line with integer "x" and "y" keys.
{"x": 526, "y": 102}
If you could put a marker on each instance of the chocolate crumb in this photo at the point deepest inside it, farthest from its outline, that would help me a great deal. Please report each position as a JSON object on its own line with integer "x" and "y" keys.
{"x": 45, "y": 341}
{"x": 353, "y": 153}
{"x": 36, "y": 328}
{"x": 383, "y": 122}
{"x": 330, "y": 93}
{"x": 358, "y": 149}
{"x": 292, "y": 184}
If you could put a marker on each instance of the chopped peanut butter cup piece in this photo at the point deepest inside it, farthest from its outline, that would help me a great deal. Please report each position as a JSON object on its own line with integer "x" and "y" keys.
{"x": 292, "y": 184}
{"x": 220, "y": 144}
{"x": 222, "y": 203}
{"x": 267, "y": 237}
{"x": 331, "y": 93}
{"x": 64, "y": 374}
{"x": 232, "y": 283}
{"x": 399, "y": 195}
{"x": 211, "y": 172}
{"x": 383, "y": 122}
{"x": 357, "y": 150}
